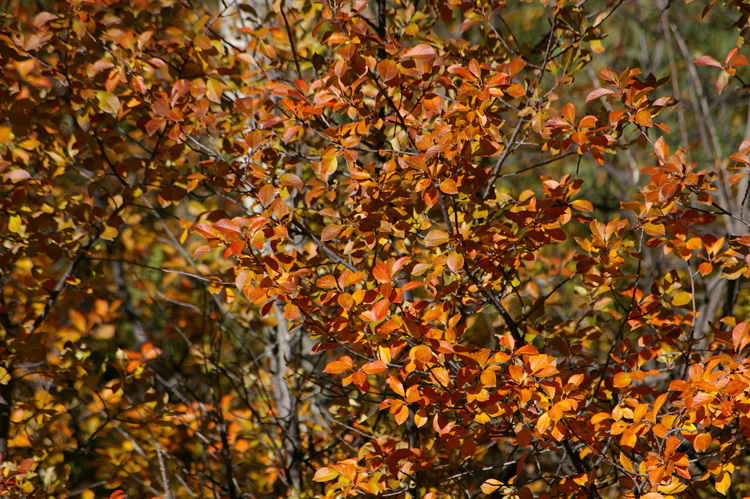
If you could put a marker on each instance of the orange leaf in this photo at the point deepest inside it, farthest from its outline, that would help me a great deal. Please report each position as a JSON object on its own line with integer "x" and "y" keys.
{"x": 643, "y": 118}
{"x": 292, "y": 180}
{"x": 325, "y": 474}
{"x": 569, "y": 112}
{"x": 411, "y": 285}
{"x": 380, "y": 309}
{"x": 374, "y": 367}
{"x": 381, "y": 273}
{"x": 491, "y": 485}
{"x": 436, "y": 237}
{"x": 326, "y": 282}
{"x": 599, "y": 92}
{"x": 402, "y": 414}
{"x": 705, "y": 268}
{"x": 739, "y": 333}
{"x": 448, "y": 186}
{"x": 654, "y": 229}
{"x": 266, "y": 195}
{"x": 455, "y": 261}
{"x": 582, "y": 205}
{"x": 330, "y": 232}
{"x": 422, "y": 52}
{"x": 621, "y": 380}
{"x": 339, "y": 366}
{"x": 396, "y": 385}
{"x": 702, "y": 442}
{"x": 388, "y": 70}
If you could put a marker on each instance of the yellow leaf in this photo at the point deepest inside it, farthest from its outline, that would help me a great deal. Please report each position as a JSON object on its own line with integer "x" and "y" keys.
{"x": 682, "y": 298}
{"x": 384, "y": 354}
{"x": 214, "y": 89}
{"x": 108, "y": 233}
{"x": 77, "y": 319}
{"x": 626, "y": 462}
{"x": 109, "y": 103}
{"x": 329, "y": 165}
{"x": 4, "y": 376}
{"x": 723, "y": 481}
{"x": 621, "y": 379}
{"x": 582, "y": 205}
{"x": 654, "y": 229}
{"x": 491, "y": 485}
{"x": 14, "y": 225}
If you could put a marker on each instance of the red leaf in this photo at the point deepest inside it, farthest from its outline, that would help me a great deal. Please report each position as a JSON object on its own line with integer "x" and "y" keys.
{"x": 26, "y": 465}
{"x": 153, "y": 125}
{"x": 739, "y": 60}
{"x": 707, "y": 60}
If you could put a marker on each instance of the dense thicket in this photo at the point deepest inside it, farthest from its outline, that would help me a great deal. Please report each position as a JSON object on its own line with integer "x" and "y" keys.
{"x": 410, "y": 248}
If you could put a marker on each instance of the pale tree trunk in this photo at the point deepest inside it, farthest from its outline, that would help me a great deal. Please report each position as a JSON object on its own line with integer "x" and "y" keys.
{"x": 286, "y": 403}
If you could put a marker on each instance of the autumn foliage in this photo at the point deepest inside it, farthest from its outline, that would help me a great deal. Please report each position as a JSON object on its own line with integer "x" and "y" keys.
{"x": 385, "y": 248}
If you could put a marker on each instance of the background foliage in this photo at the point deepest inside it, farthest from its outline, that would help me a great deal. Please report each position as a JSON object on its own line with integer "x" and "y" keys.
{"x": 388, "y": 248}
